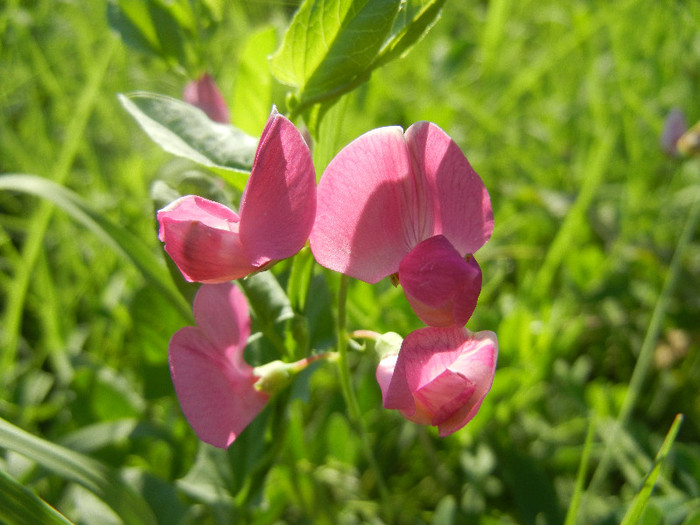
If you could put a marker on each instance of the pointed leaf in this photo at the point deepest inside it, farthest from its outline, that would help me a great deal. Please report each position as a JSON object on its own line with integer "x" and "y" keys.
{"x": 183, "y": 130}
{"x": 414, "y": 20}
{"x": 331, "y": 43}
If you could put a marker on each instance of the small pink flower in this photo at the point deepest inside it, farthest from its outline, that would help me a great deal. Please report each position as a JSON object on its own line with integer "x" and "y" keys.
{"x": 440, "y": 376}
{"x": 408, "y": 204}
{"x": 204, "y": 94}
{"x": 211, "y": 243}
{"x": 214, "y": 384}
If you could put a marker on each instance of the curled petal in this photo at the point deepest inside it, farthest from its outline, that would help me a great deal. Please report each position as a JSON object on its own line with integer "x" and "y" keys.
{"x": 205, "y": 95}
{"x": 441, "y": 376}
{"x": 674, "y": 127}
{"x": 213, "y": 383}
{"x": 440, "y": 285}
{"x": 279, "y": 203}
{"x": 461, "y": 207}
{"x": 364, "y": 196}
{"x": 201, "y": 236}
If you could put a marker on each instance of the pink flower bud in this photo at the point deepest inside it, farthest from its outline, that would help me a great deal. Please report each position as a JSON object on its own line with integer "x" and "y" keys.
{"x": 205, "y": 95}
{"x": 440, "y": 376}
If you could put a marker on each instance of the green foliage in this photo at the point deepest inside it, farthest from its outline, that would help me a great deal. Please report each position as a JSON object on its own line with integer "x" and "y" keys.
{"x": 590, "y": 279}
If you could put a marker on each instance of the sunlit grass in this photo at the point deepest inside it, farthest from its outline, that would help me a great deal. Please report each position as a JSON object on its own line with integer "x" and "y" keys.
{"x": 559, "y": 108}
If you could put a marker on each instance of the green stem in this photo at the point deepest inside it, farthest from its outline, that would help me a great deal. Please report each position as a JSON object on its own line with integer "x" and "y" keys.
{"x": 349, "y": 392}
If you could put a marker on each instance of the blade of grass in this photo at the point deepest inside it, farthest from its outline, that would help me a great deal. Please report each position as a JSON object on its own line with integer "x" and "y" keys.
{"x": 19, "y": 506}
{"x": 646, "y": 353}
{"x": 39, "y": 222}
{"x": 98, "y": 478}
{"x": 572, "y": 513}
{"x": 122, "y": 240}
{"x": 634, "y": 512}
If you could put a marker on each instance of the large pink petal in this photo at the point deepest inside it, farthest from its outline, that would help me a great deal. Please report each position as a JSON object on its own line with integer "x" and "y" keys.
{"x": 364, "y": 200}
{"x": 440, "y": 285}
{"x": 201, "y": 236}
{"x": 279, "y": 203}
{"x": 218, "y": 399}
{"x": 221, "y": 313}
{"x": 457, "y": 203}
{"x": 204, "y": 94}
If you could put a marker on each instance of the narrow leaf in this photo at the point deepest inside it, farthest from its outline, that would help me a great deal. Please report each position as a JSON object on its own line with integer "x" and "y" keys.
{"x": 634, "y": 512}
{"x": 98, "y": 478}
{"x": 151, "y": 266}
{"x": 184, "y": 130}
{"x": 19, "y": 506}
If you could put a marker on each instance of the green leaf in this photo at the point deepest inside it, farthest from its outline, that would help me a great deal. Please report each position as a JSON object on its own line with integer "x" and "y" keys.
{"x": 98, "y": 478}
{"x": 331, "y": 44}
{"x": 636, "y": 509}
{"x": 184, "y": 130}
{"x": 414, "y": 20}
{"x": 151, "y": 266}
{"x": 19, "y": 506}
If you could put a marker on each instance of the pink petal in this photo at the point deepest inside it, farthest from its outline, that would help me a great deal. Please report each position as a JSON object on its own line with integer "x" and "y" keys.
{"x": 459, "y": 205}
{"x": 218, "y": 400}
{"x": 201, "y": 236}
{"x": 420, "y": 383}
{"x": 279, "y": 203}
{"x": 204, "y": 94}
{"x": 440, "y": 285}
{"x": 221, "y": 313}
{"x": 445, "y": 395}
{"x": 364, "y": 198}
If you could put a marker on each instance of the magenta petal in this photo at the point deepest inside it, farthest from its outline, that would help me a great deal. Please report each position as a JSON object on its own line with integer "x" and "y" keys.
{"x": 461, "y": 207}
{"x": 204, "y": 94}
{"x": 445, "y": 395}
{"x": 221, "y": 313}
{"x": 364, "y": 197}
{"x": 218, "y": 399}
{"x": 444, "y": 373}
{"x": 440, "y": 285}
{"x": 279, "y": 203}
{"x": 214, "y": 385}
{"x": 202, "y": 238}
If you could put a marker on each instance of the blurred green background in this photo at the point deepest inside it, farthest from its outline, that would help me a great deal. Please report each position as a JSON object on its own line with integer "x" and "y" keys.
{"x": 591, "y": 278}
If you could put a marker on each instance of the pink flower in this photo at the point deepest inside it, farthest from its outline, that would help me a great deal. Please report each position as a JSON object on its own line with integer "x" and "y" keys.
{"x": 204, "y": 94}
{"x": 408, "y": 204}
{"x": 214, "y": 384}
{"x": 440, "y": 376}
{"x": 210, "y": 243}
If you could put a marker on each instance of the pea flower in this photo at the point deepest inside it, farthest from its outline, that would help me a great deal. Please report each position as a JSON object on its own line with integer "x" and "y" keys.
{"x": 211, "y": 243}
{"x": 440, "y": 376}
{"x": 214, "y": 384}
{"x": 406, "y": 205}
{"x": 218, "y": 391}
{"x": 204, "y": 94}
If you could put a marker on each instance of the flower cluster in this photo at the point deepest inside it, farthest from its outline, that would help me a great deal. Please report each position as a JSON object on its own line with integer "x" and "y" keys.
{"x": 405, "y": 205}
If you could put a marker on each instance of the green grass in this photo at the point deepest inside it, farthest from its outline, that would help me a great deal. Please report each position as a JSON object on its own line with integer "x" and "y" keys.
{"x": 590, "y": 278}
